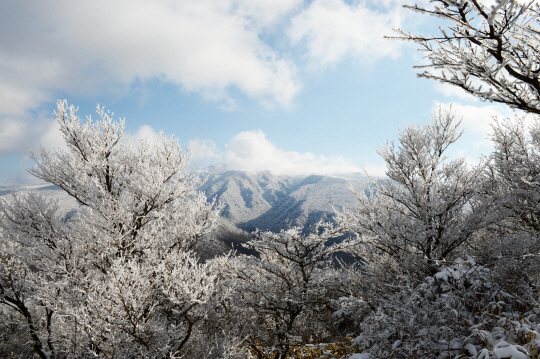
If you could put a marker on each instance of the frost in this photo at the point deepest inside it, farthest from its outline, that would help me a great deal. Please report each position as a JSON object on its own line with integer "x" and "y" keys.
{"x": 489, "y": 51}
{"x": 119, "y": 276}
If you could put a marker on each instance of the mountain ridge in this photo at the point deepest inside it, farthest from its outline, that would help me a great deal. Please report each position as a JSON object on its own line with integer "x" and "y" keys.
{"x": 251, "y": 201}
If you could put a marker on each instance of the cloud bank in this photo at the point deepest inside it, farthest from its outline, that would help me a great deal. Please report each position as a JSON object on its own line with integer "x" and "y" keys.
{"x": 216, "y": 49}
{"x": 478, "y": 119}
{"x": 207, "y": 47}
{"x": 203, "y": 46}
{"x": 251, "y": 151}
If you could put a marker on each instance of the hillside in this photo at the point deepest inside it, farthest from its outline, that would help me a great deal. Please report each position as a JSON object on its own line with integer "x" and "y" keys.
{"x": 251, "y": 201}
{"x": 246, "y": 196}
{"x": 313, "y": 199}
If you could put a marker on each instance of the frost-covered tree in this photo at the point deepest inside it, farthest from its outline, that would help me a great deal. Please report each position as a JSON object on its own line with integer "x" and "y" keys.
{"x": 416, "y": 297}
{"x": 490, "y": 49}
{"x": 514, "y": 171}
{"x": 512, "y": 181}
{"x": 119, "y": 279}
{"x": 427, "y": 208}
{"x": 125, "y": 189}
{"x": 286, "y": 288}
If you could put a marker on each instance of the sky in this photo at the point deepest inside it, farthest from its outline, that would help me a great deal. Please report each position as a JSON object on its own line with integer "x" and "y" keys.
{"x": 296, "y": 87}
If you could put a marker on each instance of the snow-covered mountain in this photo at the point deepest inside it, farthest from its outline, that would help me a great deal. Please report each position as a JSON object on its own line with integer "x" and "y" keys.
{"x": 251, "y": 201}
{"x": 246, "y": 196}
{"x": 67, "y": 205}
{"x": 268, "y": 202}
{"x": 312, "y": 199}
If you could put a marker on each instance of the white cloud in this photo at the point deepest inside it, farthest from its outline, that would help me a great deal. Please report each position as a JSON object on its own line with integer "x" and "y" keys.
{"x": 144, "y": 132}
{"x": 23, "y": 136}
{"x": 454, "y": 91}
{"x": 333, "y": 29}
{"x": 203, "y": 149}
{"x": 263, "y": 13}
{"x": 51, "y": 138}
{"x": 478, "y": 119}
{"x": 374, "y": 169}
{"x": 11, "y": 134}
{"x": 203, "y": 153}
{"x": 88, "y": 47}
{"x": 252, "y": 151}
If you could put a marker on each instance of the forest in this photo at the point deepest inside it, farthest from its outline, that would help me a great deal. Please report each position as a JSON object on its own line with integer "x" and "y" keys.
{"x": 447, "y": 254}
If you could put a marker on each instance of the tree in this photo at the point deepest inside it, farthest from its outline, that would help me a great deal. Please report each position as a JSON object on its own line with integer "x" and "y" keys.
{"x": 512, "y": 183}
{"x": 427, "y": 208}
{"x": 490, "y": 52}
{"x": 286, "y": 286}
{"x": 417, "y": 298}
{"x": 514, "y": 172}
{"x": 119, "y": 279}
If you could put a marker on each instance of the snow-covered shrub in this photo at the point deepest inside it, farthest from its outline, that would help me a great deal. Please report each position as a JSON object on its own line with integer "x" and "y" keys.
{"x": 349, "y": 312}
{"x": 503, "y": 335}
{"x": 283, "y": 293}
{"x": 459, "y": 311}
{"x": 510, "y": 246}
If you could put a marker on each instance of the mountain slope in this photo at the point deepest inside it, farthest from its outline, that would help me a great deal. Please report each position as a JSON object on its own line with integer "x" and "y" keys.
{"x": 246, "y": 196}
{"x": 251, "y": 201}
{"x": 313, "y": 199}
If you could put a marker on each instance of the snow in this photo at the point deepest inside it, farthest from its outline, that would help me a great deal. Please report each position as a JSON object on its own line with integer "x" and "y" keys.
{"x": 471, "y": 349}
{"x": 313, "y": 199}
{"x": 360, "y": 356}
{"x": 503, "y": 350}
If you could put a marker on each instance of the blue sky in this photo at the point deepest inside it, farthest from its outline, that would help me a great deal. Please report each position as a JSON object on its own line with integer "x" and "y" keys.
{"x": 292, "y": 86}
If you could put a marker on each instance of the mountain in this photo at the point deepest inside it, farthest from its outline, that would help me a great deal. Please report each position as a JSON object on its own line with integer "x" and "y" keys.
{"x": 224, "y": 238}
{"x": 245, "y": 195}
{"x": 67, "y": 205}
{"x": 251, "y": 201}
{"x": 314, "y": 198}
